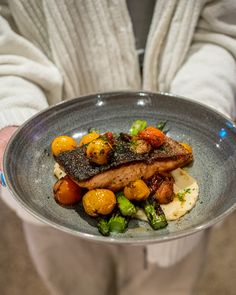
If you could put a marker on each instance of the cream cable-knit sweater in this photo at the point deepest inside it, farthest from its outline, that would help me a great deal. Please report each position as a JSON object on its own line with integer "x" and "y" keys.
{"x": 60, "y": 49}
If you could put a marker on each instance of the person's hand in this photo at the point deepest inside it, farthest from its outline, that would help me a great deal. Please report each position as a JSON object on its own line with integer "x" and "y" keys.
{"x": 5, "y": 135}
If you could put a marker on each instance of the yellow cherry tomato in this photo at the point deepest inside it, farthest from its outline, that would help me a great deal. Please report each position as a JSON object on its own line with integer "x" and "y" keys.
{"x": 98, "y": 151}
{"x": 187, "y": 147}
{"x": 137, "y": 190}
{"x": 88, "y": 138}
{"x": 63, "y": 143}
{"x": 66, "y": 191}
{"x": 99, "y": 201}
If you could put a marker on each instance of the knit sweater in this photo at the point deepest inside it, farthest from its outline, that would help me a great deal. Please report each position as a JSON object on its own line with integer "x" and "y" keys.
{"x": 53, "y": 50}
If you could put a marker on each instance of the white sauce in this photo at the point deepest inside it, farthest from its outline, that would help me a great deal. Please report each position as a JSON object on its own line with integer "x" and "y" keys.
{"x": 187, "y": 188}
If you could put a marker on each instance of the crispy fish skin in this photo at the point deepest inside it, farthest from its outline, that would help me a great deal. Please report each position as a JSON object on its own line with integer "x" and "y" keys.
{"x": 125, "y": 165}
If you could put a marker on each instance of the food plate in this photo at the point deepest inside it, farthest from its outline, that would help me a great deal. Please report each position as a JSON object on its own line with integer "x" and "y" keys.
{"x": 28, "y": 163}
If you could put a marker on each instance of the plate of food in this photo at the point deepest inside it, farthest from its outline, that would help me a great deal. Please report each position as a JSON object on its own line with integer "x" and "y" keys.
{"x": 125, "y": 167}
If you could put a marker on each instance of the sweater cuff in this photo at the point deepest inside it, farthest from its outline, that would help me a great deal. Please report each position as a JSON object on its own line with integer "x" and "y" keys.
{"x": 15, "y": 116}
{"x": 10, "y": 201}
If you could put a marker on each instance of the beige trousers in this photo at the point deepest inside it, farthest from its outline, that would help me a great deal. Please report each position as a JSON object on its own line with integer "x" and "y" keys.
{"x": 70, "y": 266}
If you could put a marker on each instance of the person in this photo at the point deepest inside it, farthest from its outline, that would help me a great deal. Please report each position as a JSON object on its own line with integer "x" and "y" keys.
{"x": 56, "y": 50}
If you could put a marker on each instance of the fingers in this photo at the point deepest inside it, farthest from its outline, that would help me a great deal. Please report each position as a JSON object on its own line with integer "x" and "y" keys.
{"x": 5, "y": 134}
{"x": 2, "y": 179}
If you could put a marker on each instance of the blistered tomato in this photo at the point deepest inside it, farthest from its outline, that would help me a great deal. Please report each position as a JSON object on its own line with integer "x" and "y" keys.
{"x": 67, "y": 192}
{"x": 153, "y": 136}
{"x": 62, "y": 144}
{"x": 99, "y": 201}
{"x": 88, "y": 138}
{"x": 187, "y": 147}
{"x": 98, "y": 151}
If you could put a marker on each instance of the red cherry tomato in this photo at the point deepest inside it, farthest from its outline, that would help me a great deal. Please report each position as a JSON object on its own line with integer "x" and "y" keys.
{"x": 66, "y": 191}
{"x": 153, "y": 136}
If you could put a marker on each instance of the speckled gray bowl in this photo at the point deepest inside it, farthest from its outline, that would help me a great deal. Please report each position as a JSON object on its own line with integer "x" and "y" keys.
{"x": 28, "y": 163}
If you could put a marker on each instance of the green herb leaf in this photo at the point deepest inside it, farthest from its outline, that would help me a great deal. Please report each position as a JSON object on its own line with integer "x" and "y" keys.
{"x": 181, "y": 195}
{"x": 161, "y": 125}
{"x": 92, "y": 129}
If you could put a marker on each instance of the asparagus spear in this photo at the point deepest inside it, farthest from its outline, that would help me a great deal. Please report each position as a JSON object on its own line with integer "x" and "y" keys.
{"x": 117, "y": 223}
{"x": 125, "y": 206}
{"x": 155, "y": 215}
{"x": 103, "y": 227}
{"x": 138, "y": 126}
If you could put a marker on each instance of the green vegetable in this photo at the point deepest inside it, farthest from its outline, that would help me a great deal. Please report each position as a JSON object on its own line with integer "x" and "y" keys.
{"x": 155, "y": 215}
{"x": 125, "y": 206}
{"x": 92, "y": 129}
{"x": 137, "y": 126}
{"x": 181, "y": 195}
{"x": 103, "y": 227}
{"x": 117, "y": 224}
{"x": 161, "y": 125}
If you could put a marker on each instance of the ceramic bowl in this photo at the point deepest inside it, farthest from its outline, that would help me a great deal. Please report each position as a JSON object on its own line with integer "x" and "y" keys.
{"x": 28, "y": 162}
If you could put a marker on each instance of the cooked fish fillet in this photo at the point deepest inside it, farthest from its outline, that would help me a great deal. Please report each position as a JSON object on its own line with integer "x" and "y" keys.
{"x": 125, "y": 165}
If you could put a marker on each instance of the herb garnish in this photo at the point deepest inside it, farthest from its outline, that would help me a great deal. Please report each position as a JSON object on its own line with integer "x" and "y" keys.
{"x": 181, "y": 195}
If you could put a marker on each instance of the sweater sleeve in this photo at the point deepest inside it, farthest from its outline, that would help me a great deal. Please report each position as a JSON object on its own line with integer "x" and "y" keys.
{"x": 209, "y": 72}
{"x": 28, "y": 80}
{"x": 208, "y": 76}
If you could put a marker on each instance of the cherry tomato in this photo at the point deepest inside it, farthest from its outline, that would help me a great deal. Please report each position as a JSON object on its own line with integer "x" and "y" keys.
{"x": 153, "y": 136}
{"x": 110, "y": 137}
{"x": 63, "y": 143}
{"x": 137, "y": 190}
{"x": 187, "y": 147}
{"x": 87, "y": 138}
{"x": 99, "y": 201}
{"x": 66, "y": 191}
{"x": 98, "y": 151}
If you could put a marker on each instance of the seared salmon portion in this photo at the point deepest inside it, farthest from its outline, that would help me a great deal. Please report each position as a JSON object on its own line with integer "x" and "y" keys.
{"x": 124, "y": 166}
{"x": 116, "y": 179}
